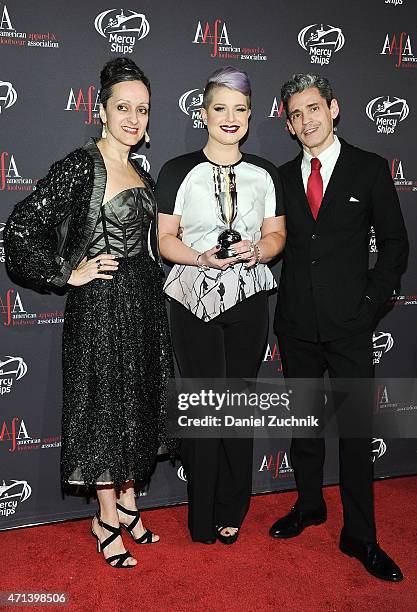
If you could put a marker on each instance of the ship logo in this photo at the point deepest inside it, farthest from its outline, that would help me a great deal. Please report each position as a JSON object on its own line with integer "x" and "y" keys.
{"x": 327, "y": 36}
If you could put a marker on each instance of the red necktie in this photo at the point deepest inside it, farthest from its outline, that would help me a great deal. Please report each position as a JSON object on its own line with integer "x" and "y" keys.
{"x": 315, "y": 187}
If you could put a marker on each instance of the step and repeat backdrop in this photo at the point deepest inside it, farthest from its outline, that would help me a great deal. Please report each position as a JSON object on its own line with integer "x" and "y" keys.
{"x": 51, "y": 53}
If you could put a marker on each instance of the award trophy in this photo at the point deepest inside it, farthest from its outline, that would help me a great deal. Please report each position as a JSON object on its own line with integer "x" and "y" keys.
{"x": 226, "y": 198}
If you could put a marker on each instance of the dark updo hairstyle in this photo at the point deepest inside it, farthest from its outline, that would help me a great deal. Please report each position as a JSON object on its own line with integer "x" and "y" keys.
{"x": 116, "y": 71}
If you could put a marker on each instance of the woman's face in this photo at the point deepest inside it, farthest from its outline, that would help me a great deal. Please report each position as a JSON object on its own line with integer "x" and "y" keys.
{"x": 127, "y": 112}
{"x": 227, "y": 116}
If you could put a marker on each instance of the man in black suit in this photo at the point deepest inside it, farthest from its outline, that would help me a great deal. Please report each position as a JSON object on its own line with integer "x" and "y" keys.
{"x": 328, "y": 300}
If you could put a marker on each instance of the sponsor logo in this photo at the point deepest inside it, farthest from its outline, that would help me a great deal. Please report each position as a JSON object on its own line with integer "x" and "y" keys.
{"x": 384, "y": 402}
{"x": 379, "y": 448}
{"x": 191, "y": 103}
{"x": 15, "y": 314}
{"x": 272, "y": 355}
{"x": 386, "y": 112}
{"x": 15, "y": 436}
{"x": 321, "y": 41}
{"x": 403, "y": 300}
{"x": 10, "y": 177}
{"x": 399, "y": 47}
{"x": 8, "y": 95}
{"x": 278, "y": 112}
{"x": 86, "y": 102}
{"x": 122, "y": 29}
{"x": 401, "y": 181}
{"x": 372, "y": 241}
{"x": 12, "y": 494}
{"x": 2, "y": 257}
{"x": 216, "y": 35}
{"x": 382, "y": 343}
{"x": 143, "y": 160}
{"x": 10, "y": 36}
{"x": 278, "y": 465}
{"x": 181, "y": 474}
{"x": 11, "y": 370}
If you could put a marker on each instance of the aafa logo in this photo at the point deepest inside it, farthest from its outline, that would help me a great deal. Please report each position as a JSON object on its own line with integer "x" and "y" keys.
{"x": 2, "y": 255}
{"x": 10, "y": 36}
{"x": 122, "y": 30}
{"x": 277, "y": 108}
{"x": 213, "y": 34}
{"x": 143, "y": 160}
{"x": 382, "y": 343}
{"x": 379, "y": 448}
{"x": 86, "y": 102}
{"x": 5, "y": 21}
{"x": 278, "y": 465}
{"x": 8, "y": 95}
{"x": 12, "y": 494}
{"x": 216, "y": 35}
{"x": 321, "y": 41}
{"x": 10, "y": 177}
{"x": 272, "y": 355}
{"x": 399, "y": 46}
{"x": 14, "y": 432}
{"x": 400, "y": 181}
{"x": 386, "y": 112}
{"x": 191, "y": 103}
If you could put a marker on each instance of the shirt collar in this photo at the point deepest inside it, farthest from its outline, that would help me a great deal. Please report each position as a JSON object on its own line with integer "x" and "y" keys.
{"x": 326, "y": 155}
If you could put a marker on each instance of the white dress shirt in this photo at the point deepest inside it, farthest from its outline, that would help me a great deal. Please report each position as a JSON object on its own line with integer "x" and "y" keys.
{"x": 328, "y": 159}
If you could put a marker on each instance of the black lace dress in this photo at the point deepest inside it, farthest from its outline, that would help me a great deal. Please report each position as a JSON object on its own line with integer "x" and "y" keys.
{"x": 116, "y": 354}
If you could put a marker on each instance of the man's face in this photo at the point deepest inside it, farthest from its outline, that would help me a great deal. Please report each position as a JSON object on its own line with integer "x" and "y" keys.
{"x": 310, "y": 119}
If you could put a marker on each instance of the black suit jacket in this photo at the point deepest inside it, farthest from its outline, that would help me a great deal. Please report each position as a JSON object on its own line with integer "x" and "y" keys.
{"x": 325, "y": 277}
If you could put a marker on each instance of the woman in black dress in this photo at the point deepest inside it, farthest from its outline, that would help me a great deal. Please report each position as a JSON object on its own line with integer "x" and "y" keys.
{"x": 116, "y": 348}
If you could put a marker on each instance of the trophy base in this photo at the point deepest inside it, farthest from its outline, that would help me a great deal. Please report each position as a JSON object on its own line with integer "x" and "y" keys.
{"x": 226, "y": 240}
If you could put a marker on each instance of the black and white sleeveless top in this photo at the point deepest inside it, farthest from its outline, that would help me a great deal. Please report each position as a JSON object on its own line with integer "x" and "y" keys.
{"x": 185, "y": 187}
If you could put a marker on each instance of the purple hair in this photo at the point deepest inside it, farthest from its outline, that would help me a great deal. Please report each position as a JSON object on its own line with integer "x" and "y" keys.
{"x": 229, "y": 77}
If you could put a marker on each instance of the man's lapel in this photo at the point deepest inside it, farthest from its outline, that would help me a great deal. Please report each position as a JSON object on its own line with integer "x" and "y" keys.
{"x": 296, "y": 178}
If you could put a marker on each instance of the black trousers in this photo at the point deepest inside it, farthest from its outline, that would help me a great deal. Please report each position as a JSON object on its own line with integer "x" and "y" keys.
{"x": 219, "y": 471}
{"x": 344, "y": 358}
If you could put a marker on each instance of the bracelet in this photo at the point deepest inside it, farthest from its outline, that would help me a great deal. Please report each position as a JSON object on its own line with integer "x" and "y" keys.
{"x": 258, "y": 253}
{"x": 201, "y": 268}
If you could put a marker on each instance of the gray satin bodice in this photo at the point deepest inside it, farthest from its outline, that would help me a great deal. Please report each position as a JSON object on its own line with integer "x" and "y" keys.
{"x": 123, "y": 224}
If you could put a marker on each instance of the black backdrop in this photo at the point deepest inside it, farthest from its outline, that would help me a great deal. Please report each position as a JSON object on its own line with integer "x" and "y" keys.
{"x": 51, "y": 52}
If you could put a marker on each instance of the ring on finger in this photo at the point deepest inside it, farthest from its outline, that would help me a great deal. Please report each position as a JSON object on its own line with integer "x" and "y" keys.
{"x": 98, "y": 264}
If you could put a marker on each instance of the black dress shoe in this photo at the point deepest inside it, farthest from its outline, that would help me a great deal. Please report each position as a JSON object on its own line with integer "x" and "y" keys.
{"x": 373, "y": 558}
{"x": 296, "y": 521}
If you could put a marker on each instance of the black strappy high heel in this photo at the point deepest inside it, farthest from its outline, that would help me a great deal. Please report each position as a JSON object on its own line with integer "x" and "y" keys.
{"x": 146, "y": 538}
{"x": 115, "y": 532}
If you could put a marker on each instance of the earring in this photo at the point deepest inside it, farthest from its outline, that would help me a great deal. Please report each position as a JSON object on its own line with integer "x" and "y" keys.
{"x": 104, "y": 131}
{"x": 147, "y": 137}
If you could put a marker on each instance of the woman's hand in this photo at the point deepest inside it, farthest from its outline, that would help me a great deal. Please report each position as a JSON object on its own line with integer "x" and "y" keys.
{"x": 208, "y": 258}
{"x": 93, "y": 268}
{"x": 246, "y": 253}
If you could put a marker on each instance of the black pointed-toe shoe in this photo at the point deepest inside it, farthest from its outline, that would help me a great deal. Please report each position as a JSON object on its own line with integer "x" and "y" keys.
{"x": 294, "y": 523}
{"x": 372, "y": 557}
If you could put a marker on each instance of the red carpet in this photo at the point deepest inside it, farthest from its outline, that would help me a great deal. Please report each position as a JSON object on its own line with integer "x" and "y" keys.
{"x": 257, "y": 573}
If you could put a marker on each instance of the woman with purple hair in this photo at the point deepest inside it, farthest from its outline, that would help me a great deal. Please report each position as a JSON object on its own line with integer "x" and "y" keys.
{"x": 219, "y": 292}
